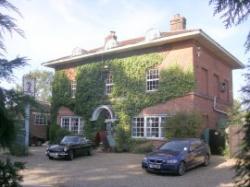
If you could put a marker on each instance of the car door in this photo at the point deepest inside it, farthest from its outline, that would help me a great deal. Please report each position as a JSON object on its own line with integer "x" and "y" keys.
{"x": 84, "y": 146}
{"x": 77, "y": 146}
{"x": 193, "y": 154}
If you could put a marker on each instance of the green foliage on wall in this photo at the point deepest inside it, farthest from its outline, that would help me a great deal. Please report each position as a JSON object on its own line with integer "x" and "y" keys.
{"x": 184, "y": 125}
{"x": 128, "y": 95}
{"x": 61, "y": 94}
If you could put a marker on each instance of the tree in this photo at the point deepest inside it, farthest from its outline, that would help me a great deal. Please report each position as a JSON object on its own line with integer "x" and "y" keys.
{"x": 236, "y": 114}
{"x": 235, "y": 12}
{"x": 44, "y": 80}
{"x": 9, "y": 172}
{"x": 7, "y": 24}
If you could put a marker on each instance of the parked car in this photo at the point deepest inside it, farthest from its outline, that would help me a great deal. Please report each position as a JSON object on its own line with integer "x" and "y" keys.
{"x": 177, "y": 156}
{"x": 69, "y": 147}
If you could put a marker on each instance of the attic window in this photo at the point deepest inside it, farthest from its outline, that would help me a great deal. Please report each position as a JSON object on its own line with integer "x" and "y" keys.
{"x": 78, "y": 51}
{"x": 152, "y": 34}
{"x": 111, "y": 41}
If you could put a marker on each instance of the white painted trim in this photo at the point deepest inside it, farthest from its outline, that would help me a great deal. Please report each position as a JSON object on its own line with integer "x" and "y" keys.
{"x": 197, "y": 34}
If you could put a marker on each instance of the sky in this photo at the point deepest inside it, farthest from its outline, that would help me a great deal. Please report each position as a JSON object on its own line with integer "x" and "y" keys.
{"x": 53, "y": 28}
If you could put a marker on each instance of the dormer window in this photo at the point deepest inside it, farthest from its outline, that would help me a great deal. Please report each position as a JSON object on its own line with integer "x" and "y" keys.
{"x": 111, "y": 41}
{"x": 152, "y": 80}
{"x": 108, "y": 83}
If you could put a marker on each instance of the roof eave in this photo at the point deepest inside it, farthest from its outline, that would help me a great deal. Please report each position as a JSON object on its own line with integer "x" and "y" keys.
{"x": 199, "y": 35}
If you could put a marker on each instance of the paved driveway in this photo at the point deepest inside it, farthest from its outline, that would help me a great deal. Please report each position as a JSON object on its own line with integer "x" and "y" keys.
{"x": 116, "y": 170}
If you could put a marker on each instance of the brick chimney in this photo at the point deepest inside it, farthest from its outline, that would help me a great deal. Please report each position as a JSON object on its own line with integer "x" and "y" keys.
{"x": 177, "y": 23}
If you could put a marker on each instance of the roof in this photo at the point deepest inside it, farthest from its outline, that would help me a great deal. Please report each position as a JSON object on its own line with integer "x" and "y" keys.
{"x": 141, "y": 43}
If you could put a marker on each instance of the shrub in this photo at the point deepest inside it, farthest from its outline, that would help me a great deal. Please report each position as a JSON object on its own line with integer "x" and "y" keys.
{"x": 56, "y": 133}
{"x": 17, "y": 149}
{"x": 9, "y": 175}
{"x": 183, "y": 125}
{"x": 122, "y": 139}
{"x": 141, "y": 146}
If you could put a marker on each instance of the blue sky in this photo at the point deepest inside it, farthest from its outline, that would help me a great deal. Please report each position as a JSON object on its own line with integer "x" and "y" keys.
{"x": 54, "y": 27}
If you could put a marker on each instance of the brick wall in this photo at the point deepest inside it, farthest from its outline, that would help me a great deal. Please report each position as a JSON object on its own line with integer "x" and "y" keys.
{"x": 235, "y": 136}
{"x": 63, "y": 111}
{"x": 37, "y": 130}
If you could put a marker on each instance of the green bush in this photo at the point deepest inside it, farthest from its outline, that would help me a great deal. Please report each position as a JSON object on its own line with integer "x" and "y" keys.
{"x": 183, "y": 125}
{"x": 9, "y": 173}
{"x": 141, "y": 146}
{"x": 17, "y": 149}
{"x": 122, "y": 140}
{"x": 56, "y": 133}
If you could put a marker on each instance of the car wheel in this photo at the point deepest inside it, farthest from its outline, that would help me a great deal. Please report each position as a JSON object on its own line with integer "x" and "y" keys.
{"x": 50, "y": 158}
{"x": 206, "y": 160}
{"x": 181, "y": 169}
{"x": 71, "y": 155}
{"x": 89, "y": 152}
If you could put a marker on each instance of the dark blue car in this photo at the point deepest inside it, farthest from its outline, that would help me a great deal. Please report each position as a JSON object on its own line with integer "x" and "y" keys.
{"x": 177, "y": 156}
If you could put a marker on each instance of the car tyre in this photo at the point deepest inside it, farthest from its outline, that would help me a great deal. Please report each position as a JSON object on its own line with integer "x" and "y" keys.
{"x": 181, "y": 169}
{"x": 50, "y": 158}
{"x": 206, "y": 160}
{"x": 71, "y": 155}
{"x": 89, "y": 152}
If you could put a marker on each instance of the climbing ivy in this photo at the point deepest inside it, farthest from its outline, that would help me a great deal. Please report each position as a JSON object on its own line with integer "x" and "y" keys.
{"x": 61, "y": 94}
{"x": 128, "y": 95}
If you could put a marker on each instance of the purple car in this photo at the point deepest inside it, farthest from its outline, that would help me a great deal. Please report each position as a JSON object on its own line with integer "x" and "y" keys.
{"x": 177, "y": 156}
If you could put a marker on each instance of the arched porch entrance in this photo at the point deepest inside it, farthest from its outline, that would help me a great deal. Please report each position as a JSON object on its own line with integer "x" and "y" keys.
{"x": 107, "y": 134}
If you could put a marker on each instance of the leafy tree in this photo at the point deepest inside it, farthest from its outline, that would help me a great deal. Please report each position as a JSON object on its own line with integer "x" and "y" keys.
{"x": 9, "y": 171}
{"x": 8, "y": 24}
{"x": 235, "y": 12}
{"x": 236, "y": 114}
{"x": 44, "y": 80}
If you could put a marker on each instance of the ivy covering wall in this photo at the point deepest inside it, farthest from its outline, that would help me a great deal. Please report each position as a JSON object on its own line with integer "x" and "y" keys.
{"x": 128, "y": 95}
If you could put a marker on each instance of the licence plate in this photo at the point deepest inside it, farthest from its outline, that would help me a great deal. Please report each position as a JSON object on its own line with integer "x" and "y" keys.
{"x": 154, "y": 166}
{"x": 55, "y": 155}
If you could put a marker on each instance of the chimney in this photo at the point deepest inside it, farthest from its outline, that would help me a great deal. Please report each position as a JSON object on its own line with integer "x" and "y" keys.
{"x": 178, "y": 23}
{"x": 111, "y": 40}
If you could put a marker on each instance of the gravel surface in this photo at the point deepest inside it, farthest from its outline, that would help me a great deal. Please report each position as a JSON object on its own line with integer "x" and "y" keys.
{"x": 116, "y": 170}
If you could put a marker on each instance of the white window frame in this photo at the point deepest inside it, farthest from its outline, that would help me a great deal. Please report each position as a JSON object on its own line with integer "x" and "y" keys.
{"x": 149, "y": 79}
{"x": 70, "y": 127}
{"x": 108, "y": 83}
{"x": 161, "y": 129}
{"x": 73, "y": 88}
{"x": 39, "y": 116}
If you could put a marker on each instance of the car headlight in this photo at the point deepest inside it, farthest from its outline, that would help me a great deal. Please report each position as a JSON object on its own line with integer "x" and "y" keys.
{"x": 172, "y": 161}
{"x": 145, "y": 159}
{"x": 65, "y": 149}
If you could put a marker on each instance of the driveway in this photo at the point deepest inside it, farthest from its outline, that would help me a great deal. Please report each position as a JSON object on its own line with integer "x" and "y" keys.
{"x": 116, "y": 170}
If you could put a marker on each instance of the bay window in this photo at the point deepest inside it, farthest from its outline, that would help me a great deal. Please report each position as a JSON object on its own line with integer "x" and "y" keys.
{"x": 149, "y": 127}
{"x": 73, "y": 124}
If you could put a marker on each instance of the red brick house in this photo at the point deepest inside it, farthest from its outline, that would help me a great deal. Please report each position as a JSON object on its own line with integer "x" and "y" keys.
{"x": 39, "y": 123}
{"x": 212, "y": 66}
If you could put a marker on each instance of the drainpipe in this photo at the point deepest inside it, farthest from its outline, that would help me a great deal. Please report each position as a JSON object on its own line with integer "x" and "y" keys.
{"x": 216, "y": 109}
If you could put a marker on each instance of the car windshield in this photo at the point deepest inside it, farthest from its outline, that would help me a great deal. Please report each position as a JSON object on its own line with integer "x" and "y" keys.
{"x": 174, "y": 146}
{"x": 70, "y": 140}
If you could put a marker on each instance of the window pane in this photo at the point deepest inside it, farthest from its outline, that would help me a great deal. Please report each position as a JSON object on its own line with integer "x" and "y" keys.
{"x": 152, "y": 79}
{"x": 138, "y": 127}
